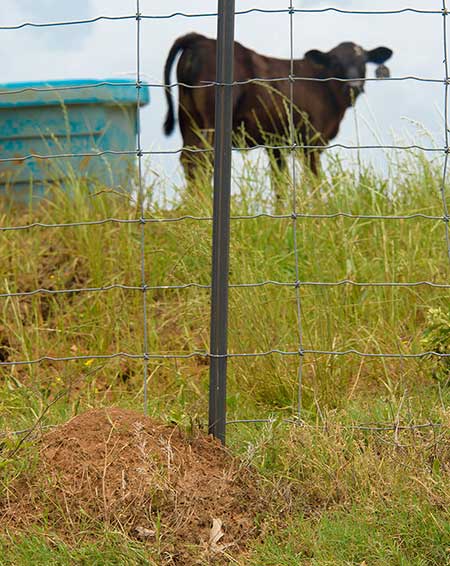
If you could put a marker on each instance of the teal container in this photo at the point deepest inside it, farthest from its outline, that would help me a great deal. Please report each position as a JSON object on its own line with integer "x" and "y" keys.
{"x": 76, "y": 118}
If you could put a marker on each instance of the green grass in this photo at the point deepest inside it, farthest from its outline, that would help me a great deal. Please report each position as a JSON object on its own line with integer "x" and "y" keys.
{"x": 340, "y": 496}
{"x": 398, "y": 535}
{"x": 43, "y": 549}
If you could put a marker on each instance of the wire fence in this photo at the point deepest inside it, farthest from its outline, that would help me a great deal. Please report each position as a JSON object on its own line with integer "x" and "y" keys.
{"x": 292, "y": 147}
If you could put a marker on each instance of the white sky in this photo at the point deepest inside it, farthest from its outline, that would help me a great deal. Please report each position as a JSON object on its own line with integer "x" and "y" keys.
{"x": 108, "y": 50}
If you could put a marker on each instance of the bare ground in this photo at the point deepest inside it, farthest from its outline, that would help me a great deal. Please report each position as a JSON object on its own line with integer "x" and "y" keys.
{"x": 183, "y": 494}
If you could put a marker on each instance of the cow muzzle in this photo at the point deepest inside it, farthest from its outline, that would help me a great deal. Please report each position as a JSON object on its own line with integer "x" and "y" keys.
{"x": 357, "y": 86}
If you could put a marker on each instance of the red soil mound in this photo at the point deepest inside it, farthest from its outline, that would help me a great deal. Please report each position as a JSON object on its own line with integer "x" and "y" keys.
{"x": 184, "y": 494}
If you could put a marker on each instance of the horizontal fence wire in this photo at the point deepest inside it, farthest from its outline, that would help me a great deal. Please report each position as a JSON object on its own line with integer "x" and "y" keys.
{"x": 212, "y": 84}
{"x": 371, "y": 427}
{"x": 189, "y": 217}
{"x": 230, "y": 355}
{"x": 6, "y": 434}
{"x": 214, "y": 15}
{"x": 267, "y": 283}
{"x": 375, "y": 427}
{"x": 192, "y": 150}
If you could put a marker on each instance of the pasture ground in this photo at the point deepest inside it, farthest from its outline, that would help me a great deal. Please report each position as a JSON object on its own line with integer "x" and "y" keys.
{"x": 333, "y": 494}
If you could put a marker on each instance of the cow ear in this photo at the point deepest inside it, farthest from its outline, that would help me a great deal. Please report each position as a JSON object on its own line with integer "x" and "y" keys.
{"x": 379, "y": 55}
{"x": 318, "y": 57}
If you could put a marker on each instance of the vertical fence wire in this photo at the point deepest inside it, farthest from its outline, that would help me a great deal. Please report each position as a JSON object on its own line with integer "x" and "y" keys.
{"x": 446, "y": 125}
{"x": 293, "y": 152}
{"x": 141, "y": 198}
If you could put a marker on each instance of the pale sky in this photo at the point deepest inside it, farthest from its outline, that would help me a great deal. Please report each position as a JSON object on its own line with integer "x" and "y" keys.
{"x": 107, "y": 49}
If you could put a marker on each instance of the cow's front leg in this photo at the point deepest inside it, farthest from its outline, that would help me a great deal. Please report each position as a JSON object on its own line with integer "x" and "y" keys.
{"x": 278, "y": 172}
{"x": 312, "y": 160}
{"x": 191, "y": 169}
{"x": 198, "y": 166}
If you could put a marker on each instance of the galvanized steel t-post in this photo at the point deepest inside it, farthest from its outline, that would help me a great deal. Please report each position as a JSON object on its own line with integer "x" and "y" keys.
{"x": 221, "y": 218}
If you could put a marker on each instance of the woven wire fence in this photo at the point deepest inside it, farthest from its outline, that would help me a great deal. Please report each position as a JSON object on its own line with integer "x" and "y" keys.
{"x": 295, "y": 215}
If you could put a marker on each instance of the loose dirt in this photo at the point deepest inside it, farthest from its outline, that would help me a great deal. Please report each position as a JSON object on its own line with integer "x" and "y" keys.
{"x": 183, "y": 494}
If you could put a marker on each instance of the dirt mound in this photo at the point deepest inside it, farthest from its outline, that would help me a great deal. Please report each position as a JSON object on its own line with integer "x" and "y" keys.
{"x": 185, "y": 494}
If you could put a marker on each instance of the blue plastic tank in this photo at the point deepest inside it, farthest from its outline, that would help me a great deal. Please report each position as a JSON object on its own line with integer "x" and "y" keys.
{"x": 81, "y": 116}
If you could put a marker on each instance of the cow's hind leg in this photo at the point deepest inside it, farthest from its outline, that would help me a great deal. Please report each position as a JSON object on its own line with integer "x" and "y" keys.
{"x": 197, "y": 155}
{"x": 197, "y": 159}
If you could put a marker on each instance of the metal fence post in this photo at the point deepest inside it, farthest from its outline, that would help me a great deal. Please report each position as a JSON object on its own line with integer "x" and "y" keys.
{"x": 221, "y": 218}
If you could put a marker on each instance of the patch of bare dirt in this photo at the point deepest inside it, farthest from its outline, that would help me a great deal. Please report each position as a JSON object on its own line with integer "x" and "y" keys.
{"x": 183, "y": 494}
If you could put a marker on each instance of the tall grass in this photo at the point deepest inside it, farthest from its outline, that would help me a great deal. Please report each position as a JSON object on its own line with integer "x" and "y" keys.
{"x": 334, "y": 317}
{"x": 337, "y": 475}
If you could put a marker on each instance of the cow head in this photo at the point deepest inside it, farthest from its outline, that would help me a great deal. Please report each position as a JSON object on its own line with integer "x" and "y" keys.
{"x": 348, "y": 61}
